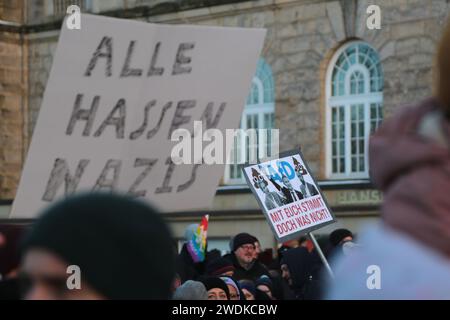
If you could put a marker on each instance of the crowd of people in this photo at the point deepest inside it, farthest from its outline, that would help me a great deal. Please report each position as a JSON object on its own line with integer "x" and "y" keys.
{"x": 134, "y": 256}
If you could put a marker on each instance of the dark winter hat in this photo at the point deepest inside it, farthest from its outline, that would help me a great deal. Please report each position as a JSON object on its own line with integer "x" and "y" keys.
{"x": 218, "y": 267}
{"x": 338, "y": 235}
{"x": 122, "y": 246}
{"x": 215, "y": 282}
{"x": 248, "y": 285}
{"x": 243, "y": 238}
{"x": 265, "y": 281}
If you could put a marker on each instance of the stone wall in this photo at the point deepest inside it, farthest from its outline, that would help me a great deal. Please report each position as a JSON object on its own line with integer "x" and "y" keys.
{"x": 13, "y": 95}
{"x": 302, "y": 38}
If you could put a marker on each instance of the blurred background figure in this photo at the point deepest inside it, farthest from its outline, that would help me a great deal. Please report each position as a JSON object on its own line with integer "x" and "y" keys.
{"x": 10, "y": 237}
{"x": 233, "y": 288}
{"x": 299, "y": 269}
{"x": 122, "y": 247}
{"x": 191, "y": 290}
{"x": 340, "y": 240}
{"x": 217, "y": 289}
{"x": 248, "y": 289}
{"x": 265, "y": 285}
{"x": 220, "y": 267}
{"x": 410, "y": 163}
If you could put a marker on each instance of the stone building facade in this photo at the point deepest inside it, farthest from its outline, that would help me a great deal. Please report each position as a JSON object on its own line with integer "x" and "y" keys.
{"x": 303, "y": 43}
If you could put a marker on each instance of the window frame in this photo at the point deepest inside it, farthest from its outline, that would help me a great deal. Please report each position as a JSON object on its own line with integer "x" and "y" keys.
{"x": 347, "y": 100}
{"x": 260, "y": 108}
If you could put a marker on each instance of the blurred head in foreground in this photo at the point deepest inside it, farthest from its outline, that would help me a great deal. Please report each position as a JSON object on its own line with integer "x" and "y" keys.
{"x": 121, "y": 246}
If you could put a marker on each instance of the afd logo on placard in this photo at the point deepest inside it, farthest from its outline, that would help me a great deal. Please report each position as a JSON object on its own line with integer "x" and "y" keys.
{"x": 73, "y": 21}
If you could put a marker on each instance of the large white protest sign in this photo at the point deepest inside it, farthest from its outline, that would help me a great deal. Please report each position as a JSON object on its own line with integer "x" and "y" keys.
{"x": 288, "y": 195}
{"x": 116, "y": 92}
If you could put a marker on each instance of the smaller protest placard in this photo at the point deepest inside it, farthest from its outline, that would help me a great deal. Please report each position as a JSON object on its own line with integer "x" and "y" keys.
{"x": 288, "y": 195}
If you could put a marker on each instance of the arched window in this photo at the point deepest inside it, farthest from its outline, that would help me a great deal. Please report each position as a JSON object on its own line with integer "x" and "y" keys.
{"x": 258, "y": 114}
{"x": 354, "y": 108}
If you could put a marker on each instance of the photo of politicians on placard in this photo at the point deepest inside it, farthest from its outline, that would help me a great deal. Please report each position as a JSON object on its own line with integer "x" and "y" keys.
{"x": 282, "y": 181}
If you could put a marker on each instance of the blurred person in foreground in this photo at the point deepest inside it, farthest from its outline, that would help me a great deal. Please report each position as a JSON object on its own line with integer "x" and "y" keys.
{"x": 122, "y": 247}
{"x": 408, "y": 255}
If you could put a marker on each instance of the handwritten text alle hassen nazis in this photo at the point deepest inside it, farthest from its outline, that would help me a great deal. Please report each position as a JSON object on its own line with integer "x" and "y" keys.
{"x": 299, "y": 215}
{"x": 61, "y": 174}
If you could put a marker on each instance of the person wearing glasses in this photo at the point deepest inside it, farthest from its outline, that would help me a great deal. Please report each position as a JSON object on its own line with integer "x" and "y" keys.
{"x": 243, "y": 258}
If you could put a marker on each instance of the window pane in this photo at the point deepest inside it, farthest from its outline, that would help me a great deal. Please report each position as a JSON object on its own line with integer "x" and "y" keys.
{"x": 334, "y": 165}
{"x": 353, "y": 130}
{"x": 341, "y": 147}
{"x": 232, "y": 175}
{"x": 361, "y": 111}
{"x": 361, "y": 146}
{"x": 361, "y": 164}
{"x": 354, "y": 164}
{"x": 341, "y": 114}
{"x": 361, "y": 129}
{"x": 361, "y": 85}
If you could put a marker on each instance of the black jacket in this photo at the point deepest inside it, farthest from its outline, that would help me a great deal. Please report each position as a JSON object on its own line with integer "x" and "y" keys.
{"x": 186, "y": 268}
{"x": 256, "y": 271}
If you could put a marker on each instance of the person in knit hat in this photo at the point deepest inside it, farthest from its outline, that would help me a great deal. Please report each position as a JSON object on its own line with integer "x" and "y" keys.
{"x": 216, "y": 288}
{"x": 243, "y": 258}
{"x": 191, "y": 290}
{"x": 339, "y": 236}
{"x": 233, "y": 288}
{"x": 121, "y": 248}
{"x": 248, "y": 289}
{"x": 220, "y": 267}
{"x": 264, "y": 283}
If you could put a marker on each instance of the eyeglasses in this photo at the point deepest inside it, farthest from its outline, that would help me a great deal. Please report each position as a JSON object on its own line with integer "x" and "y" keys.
{"x": 248, "y": 247}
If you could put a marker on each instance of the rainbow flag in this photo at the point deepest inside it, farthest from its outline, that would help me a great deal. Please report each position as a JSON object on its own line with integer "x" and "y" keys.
{"x": 197, "y": 245}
